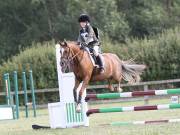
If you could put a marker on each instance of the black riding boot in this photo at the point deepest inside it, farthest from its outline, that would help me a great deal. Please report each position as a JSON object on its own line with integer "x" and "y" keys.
{"x": 101, "y": 64}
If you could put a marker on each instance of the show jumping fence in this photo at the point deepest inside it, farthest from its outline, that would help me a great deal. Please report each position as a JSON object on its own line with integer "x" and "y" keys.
{"x": 12, "y": 104}
{"x": 62, "y": 108}
{"x": 135, "y": 108}
{"x": 133, "y": 94}
{"x": 144, "y": 122}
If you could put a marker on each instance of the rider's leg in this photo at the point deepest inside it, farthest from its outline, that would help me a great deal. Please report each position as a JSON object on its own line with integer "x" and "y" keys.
{"x": 101, "y": 63}
{"x": 99, "y": 58}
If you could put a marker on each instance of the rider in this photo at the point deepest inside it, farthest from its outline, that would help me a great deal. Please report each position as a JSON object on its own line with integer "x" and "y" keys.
{"x": 87, "y": 37}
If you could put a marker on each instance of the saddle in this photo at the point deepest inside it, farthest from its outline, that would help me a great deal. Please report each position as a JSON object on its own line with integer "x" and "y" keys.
{"x": 93, "y": 58}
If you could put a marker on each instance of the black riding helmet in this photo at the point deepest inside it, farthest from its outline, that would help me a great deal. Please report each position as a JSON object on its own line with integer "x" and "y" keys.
{"x": 84, "y": 18}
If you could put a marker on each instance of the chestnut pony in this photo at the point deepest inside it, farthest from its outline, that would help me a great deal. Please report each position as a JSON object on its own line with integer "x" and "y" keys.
{"x": 80, "y": 63}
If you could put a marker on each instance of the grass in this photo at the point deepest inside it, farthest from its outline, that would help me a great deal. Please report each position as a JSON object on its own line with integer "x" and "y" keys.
{"x": 97, "y": 121}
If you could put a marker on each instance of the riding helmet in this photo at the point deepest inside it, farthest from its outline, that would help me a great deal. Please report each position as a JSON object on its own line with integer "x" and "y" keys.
{"x": 84, "y": 18}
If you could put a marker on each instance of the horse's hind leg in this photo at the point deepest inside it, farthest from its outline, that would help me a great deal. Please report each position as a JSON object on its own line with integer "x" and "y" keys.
{"x": 119, "y": 89}
{"x": 110, "y": 85}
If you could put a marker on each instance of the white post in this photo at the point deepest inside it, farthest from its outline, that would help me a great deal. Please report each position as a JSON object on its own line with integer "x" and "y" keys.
{"x": 63, "y": 114}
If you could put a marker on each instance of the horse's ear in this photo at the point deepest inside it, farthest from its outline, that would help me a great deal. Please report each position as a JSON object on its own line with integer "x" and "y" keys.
{"x": 63, "y": 44}
{"x": 60, "y": 43}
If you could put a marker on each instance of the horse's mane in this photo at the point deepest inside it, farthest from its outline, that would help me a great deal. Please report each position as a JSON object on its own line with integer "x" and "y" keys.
{"x": 72, "y": 44}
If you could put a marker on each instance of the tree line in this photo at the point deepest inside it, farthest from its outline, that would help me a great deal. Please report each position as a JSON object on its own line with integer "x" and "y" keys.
{"x": 25, "y": 21}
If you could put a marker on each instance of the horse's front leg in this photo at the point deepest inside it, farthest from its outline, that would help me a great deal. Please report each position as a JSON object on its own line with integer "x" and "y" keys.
{"x": 77, "y": 82}
{"x": 84, "y": 86}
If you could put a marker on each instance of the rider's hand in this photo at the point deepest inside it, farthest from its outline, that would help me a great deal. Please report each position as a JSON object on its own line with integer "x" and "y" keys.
{"x": 83, "y": 44}
{"x": 78, "y": 43}
{"x": 81, "y": 47}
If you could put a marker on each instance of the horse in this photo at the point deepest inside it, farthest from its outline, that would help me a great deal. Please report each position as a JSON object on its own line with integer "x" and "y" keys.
{"x": 79, "y": 62}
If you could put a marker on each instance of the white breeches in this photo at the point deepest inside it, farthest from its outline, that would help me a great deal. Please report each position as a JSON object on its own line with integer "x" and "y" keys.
{"x": 96, "y": 50}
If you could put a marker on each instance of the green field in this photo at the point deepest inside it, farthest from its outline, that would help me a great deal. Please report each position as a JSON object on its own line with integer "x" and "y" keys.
{"x": 97, "y": 121}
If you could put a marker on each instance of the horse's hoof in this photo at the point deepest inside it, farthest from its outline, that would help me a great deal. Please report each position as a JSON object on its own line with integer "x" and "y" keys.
{"x": 120, "y": 90}
{"x": 111, "y": 88}
{"x": 78, "y": 108}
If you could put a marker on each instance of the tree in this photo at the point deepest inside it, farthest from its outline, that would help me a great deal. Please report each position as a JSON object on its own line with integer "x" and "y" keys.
{"x": 149, "y": 17}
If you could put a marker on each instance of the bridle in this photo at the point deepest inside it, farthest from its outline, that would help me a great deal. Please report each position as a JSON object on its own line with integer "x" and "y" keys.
{"x": 68, "y": 60}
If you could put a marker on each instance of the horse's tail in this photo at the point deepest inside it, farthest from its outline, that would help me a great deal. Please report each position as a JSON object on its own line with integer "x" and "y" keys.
{"x": 131, "y": 72}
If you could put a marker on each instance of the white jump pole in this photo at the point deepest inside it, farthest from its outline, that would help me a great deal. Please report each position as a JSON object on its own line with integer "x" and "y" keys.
{"x": 63, "y": 114}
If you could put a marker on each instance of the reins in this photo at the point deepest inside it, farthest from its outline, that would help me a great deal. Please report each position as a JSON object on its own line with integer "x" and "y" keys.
{"x": 74, "y": 55}
{"x": 70, "y": 59}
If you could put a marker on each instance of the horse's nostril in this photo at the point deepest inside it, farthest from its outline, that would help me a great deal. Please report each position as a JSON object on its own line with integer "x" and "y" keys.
{"x": 61, "y": 63}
